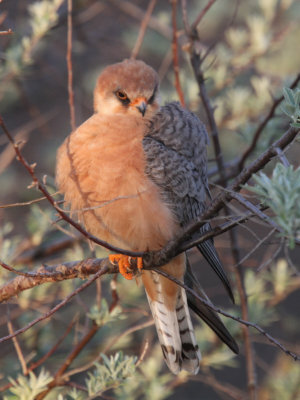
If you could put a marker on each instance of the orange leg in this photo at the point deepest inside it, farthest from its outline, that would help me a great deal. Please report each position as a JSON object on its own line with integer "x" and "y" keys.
{"x": 124, "y": 264}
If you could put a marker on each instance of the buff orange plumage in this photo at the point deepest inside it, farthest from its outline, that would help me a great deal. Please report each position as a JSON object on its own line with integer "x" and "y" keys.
{"x": 134, "y": 174}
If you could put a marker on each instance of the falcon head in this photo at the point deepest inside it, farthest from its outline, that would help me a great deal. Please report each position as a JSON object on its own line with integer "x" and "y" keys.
{"x": 129, "y": 87}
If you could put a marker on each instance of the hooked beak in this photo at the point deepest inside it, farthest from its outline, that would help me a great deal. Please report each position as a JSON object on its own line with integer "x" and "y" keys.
{"x": 142, "y": 108}
{"x": 141, "y": 105}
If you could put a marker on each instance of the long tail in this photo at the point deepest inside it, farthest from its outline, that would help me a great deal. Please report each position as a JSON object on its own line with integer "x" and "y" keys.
{"x": 173, "y": 323}
{"x": 208, "y": 316}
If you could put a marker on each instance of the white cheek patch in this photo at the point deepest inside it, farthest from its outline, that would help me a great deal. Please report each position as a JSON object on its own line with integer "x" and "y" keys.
{"x": 108, "y": 106}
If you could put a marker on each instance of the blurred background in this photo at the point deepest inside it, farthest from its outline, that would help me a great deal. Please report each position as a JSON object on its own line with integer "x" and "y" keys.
{"x": 252, "y": 49}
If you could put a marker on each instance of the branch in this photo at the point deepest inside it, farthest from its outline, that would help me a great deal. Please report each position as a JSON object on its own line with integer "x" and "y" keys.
{"x": 18, "y": 348}
{"x": 69, "y": 270}
{"x": 64, "y": 215}
{"x": 139, "y": 14}
{"x": 70, "y": 68}
{"x": 107, "y": 347}
{"x": 82, "y": 269}
{"x": 161, "y": 257}
{"x": 91, "y": 266}
{"x": 175, "y": 54}
{"x": 41, "y": 361}
{"x": 201, "y": 15}
{"x": 226, "y": 314}
{"x": 143, "y": 28}
{"x": 262, "y": 126}
{"x": 196, "y": 64}
{"x": 53, "y": 310}
{"x": 170, "y": 250}
{"x": 74, "y": 353}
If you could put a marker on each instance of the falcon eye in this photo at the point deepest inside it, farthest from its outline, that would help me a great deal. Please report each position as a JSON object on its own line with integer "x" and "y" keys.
{"x": 122, "y": 97}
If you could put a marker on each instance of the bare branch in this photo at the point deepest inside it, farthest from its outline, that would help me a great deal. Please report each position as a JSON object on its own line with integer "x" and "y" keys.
{"x": 108, "y": 346}
{"x": 143, "y": 28}
{"x": 282, "y": 157}
{"x": 56, "y": 273}
{"x": 36, "y": 364}
{"x": 175, "y": 54}
{"x": 57, "y": 307}
{"x": 36, "y": 182}
{"x": 226, "y": 314}
{"x": 57, "y": 380}
{"x": 262, "y": 126}
{"x": 18, "y": 348}
{"x": 196, "y": 64}
{"x": 70, "y": 67}
{"x": 139, "y": 14}
{"x": 201, "y": 15}
{"x": 263, "y": 240}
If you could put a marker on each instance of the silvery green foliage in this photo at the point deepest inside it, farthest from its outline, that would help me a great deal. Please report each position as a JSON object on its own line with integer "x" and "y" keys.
{"x": 111, "y": 373}
{"x": 282, "y": 194}
{"x": 43, "y": 16}
{"x": 74, "y": 394}
{"x": 103, "y": 316}
{"x": 27, "y": 388}
{"x": 291, "y": 105}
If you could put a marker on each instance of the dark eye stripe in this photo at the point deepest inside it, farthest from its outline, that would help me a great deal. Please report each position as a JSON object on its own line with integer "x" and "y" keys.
{"x": 151, "y": 99}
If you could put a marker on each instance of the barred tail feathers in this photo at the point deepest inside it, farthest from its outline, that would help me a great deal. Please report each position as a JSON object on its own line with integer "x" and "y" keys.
{"x": 174, "y": 326}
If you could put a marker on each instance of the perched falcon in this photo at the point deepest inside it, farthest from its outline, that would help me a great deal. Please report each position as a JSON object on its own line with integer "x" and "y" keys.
{"x": 135, "y": 174}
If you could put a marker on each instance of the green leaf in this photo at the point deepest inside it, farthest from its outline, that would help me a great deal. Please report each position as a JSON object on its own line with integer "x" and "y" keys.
{"x": 291, "y": 106}
{"x": 102, "y": 316}
{"x": 282, "y": 194}
{"x": 289, "y": 95}
{"x": 27, "y": 388}
{"x": 111, "y": 373}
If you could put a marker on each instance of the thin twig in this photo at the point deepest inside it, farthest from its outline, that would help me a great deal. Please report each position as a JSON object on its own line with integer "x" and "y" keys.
{"x": 70, "y": 67}
{"x": 138, "y": 13}
{"x": 57, "y": 380}
{"x": 36, "y": 182}
{"x": 282, "y": 157}
{"x": 185, "y": 15}
{"x": 53, "y": 349}
{"x": 255, "y": 210}
{"x": 36, "y": 364}
{"x": 26, "y": 203}
{"x": 57, "y": 307}
{"x": 69, "y": 270}
{"x": 202, "y": 14}
{"x": 273, "y": 257}
{"x": 143, "y": 28}
{"x": 160, "y": 257}
{"x": 175, "y": 54}
{"x": 143, "y": 352}
{"x": 18, "y": 348}
{"x": 108, "y": 346}
{"x": 249, "y": 352}
{"x": 257, "y": 246}
{"x": 222, "y": 198}
{"x": 196, "y": 64}
{"x": 226, "y": 314}
{"x": 262, "y": 126}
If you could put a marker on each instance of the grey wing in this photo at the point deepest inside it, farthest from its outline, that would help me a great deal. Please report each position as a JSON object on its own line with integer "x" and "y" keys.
{"x": 175, "y": 149}
{"x": 176, "y": 161}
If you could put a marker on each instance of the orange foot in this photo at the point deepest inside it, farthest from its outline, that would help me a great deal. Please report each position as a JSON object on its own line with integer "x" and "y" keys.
{"x": 124, "y": 263}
